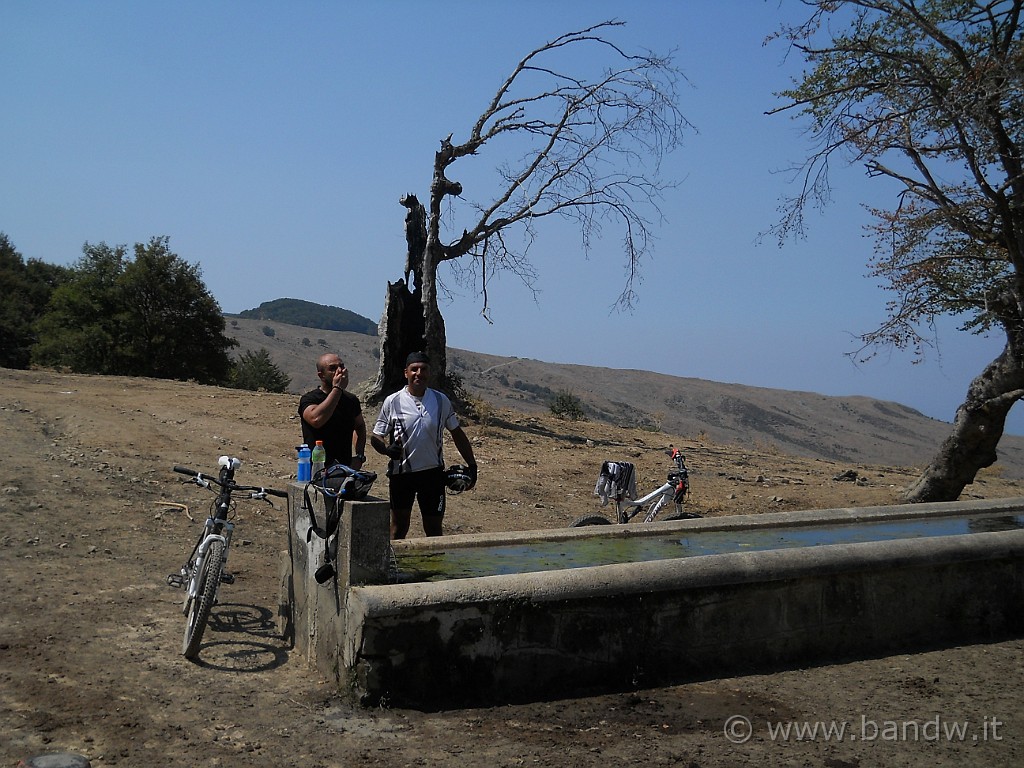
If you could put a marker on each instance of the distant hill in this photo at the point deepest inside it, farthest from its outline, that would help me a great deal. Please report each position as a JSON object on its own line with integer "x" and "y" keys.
{"x": 310, "y": 315}
{"x": 855, "y": 429}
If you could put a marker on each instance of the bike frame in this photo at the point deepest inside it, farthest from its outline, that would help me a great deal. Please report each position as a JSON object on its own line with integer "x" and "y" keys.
{"x": 626, "y": 510}
{"x": 217, "y": 528}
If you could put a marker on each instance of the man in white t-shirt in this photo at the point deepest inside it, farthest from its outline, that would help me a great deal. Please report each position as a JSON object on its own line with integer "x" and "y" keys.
{"x": 410, "y": 431}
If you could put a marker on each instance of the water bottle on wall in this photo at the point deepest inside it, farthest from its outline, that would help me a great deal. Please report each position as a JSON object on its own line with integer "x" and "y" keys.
{"x": 304, "y": 472}
{"x": 319, "y": 457}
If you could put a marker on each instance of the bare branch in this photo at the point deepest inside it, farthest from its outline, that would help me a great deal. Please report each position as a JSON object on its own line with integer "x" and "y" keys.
{"x": 584, "y": 145}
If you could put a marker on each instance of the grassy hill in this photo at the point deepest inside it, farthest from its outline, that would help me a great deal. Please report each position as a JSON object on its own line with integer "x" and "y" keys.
{"x": 310, "y": 315}
{"x": 855, "y": 429}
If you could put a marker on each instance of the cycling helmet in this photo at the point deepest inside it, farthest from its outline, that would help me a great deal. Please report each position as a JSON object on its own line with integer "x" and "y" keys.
{"x": 357, "y": 485}
{"x": 457, "y": 479}
{"x": 343, "y": 482}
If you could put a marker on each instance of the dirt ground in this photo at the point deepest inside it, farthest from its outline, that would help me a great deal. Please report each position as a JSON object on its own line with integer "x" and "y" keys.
{"x": 90, "y": 635}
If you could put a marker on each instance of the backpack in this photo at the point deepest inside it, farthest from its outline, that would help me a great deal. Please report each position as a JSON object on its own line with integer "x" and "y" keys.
{"x": 335, "y": 483}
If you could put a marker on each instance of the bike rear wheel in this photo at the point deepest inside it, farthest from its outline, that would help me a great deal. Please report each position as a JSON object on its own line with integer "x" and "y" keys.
{"x": 590, "y": 520}
{"x": 202, "y": 604}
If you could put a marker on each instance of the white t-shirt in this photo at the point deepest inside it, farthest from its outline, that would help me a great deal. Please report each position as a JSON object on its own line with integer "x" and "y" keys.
{"x": 420, "y": 423}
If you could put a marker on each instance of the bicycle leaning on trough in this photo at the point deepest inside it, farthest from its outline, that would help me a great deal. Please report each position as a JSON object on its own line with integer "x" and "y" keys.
{"x": 617, "y": 482}
{"x": 204, "y": 572}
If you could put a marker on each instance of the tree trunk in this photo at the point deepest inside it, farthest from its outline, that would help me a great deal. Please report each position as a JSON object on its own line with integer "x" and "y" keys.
{"x": 400, "y": 330}
{"x": 412, "y": 320}
{"x": 977, "y": 429}
{"x": 435, "y": 341}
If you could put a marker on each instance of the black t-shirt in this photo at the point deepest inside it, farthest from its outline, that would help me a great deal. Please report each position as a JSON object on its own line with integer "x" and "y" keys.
{"x": 337, "y": 432}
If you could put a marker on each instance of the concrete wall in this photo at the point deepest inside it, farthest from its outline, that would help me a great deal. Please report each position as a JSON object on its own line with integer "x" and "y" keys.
{"x": 313, "y": 615}
{"x": 562, "y": 633}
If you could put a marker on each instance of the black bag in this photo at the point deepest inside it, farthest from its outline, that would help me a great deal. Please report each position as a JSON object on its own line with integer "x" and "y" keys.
{"x": 335, "y": 483}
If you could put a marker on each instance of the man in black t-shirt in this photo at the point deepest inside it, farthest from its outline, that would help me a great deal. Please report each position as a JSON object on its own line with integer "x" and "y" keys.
{"x": 334, "y": 415}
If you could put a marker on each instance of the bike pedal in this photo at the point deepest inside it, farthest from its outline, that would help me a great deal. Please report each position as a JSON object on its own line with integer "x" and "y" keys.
{"x": 175, "y": 580}
{"x": 227, "y": 578}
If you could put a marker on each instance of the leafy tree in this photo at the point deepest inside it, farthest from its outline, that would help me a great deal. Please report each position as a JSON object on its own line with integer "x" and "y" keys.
{"x": 147, "y": 316}
{"x": 928, "y": 94}
{"x": 255, "y": 371}
{"x": 79, "y": 329}
{"x": 584, "y": 146}
{"x": 25, "y": 288}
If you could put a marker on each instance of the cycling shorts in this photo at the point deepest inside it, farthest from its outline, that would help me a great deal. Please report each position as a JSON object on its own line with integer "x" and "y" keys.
{"x": 426, "y": 487}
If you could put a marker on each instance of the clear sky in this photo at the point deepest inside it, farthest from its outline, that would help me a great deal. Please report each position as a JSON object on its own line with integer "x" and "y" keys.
{"x": 272, "y": 140}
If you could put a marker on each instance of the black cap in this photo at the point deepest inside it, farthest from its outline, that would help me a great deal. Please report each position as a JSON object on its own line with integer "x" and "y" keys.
{"x": 417, "y": 357}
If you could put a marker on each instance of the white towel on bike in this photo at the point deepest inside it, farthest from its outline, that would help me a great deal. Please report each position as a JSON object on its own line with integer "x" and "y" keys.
{"x": 617, "y": 481}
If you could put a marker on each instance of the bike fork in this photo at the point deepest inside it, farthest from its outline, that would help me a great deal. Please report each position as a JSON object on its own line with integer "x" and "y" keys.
{"x": 188, "y": 576}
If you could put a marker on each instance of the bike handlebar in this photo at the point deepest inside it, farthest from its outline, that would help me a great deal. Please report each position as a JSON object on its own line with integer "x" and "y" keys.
{"x": 202, "y": 479}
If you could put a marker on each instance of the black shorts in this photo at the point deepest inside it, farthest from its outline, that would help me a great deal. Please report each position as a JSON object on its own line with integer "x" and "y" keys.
{"x": 426, "y": 486}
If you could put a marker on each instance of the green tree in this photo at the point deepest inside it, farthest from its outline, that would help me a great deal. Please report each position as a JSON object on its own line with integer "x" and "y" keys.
{"x": 25, "y": 288}
{"x": 79, "y": 329}
{"x": 255, "y": 371}
{"x": 147, "y": 316}
{"x": 928, "y": 95}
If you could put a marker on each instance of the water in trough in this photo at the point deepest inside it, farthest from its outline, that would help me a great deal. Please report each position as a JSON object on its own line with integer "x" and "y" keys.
{"x": 491, "y": 560}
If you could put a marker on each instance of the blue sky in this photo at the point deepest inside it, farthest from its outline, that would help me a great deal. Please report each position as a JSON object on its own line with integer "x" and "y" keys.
{"x": 272, "y": 140}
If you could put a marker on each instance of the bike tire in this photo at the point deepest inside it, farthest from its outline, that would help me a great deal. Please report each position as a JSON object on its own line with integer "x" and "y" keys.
{"x": 590, "y": 520}
{"x": 206, "y": 596}
{"x": 683, "y": 516}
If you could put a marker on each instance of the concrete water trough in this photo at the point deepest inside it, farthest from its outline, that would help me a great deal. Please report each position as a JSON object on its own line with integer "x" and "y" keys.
{"x": 740, "y": 594}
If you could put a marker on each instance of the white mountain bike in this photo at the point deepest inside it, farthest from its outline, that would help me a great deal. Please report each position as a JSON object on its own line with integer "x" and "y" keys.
{"x": 676, "y": 488}
{"x": 204, "y": 572}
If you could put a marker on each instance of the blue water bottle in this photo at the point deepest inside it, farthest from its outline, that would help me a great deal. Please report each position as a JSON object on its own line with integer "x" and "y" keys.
{"x": 305, "y": 458}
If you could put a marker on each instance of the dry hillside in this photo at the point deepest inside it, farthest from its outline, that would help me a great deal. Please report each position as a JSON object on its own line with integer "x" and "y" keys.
{"x": 90, "y": 635}
{"x": 843, "y": 429}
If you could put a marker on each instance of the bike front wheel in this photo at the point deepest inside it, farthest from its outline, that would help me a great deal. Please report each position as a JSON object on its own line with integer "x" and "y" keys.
{"x": 683, "y": 516}
{"x": 590, "y": 520}
{"x": 202, "y": 604}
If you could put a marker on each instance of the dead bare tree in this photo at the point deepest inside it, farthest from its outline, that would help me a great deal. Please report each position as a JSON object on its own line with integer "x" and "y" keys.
{"x": 585, "y": 147}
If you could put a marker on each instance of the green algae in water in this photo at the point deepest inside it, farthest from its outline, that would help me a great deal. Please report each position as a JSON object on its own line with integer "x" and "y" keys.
{"x": 469, "y": 562}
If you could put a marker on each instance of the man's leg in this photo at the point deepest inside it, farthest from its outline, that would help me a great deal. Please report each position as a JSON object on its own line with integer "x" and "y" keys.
{"x": 431, "y": 499}
{"x": 432, "y": 524}
{"x": 402, "y": 493}
{"x": 400, "y": 522}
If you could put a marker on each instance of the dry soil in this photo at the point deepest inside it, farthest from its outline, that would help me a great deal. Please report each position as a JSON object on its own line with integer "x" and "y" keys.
{"x": 90, "y": 635}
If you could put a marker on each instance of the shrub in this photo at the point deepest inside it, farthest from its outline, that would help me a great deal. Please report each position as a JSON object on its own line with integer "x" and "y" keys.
{"x": 566, "y": 405}
{"x": 255, "y": 371}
